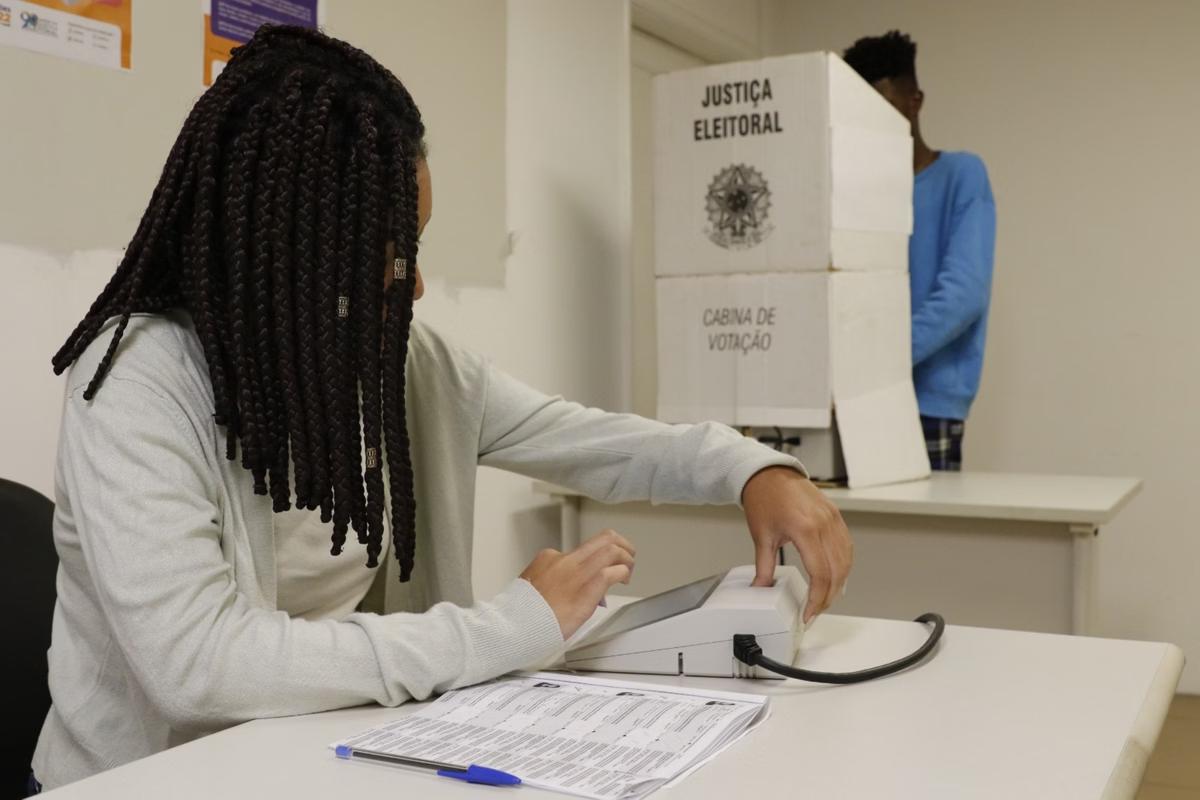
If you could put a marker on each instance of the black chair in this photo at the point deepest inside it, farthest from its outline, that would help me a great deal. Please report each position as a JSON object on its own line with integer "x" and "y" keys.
{"x": 28, "y": 564}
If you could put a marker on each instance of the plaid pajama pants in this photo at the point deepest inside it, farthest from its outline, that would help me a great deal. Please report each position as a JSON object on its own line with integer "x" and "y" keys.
{"x": 943, "y": 440}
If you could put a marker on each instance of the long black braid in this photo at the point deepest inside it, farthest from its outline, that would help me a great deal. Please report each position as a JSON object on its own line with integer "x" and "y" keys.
{"x": 269, "y": 226}
{"x": 395, "y": 345}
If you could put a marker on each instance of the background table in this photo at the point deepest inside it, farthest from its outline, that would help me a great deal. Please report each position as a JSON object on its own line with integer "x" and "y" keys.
{"x": 991, "y": 549}
{"x": 995, "y": 714}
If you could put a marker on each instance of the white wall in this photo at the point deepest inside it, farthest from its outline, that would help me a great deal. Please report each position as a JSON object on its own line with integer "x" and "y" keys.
{"x": 712, "y": 30}
{"x": 1086, "y": 113}
{"x": 558, "y": 321}
{"x": 43, "y": 295}
{"x": 84, "y": 145}
{"x": 649, "y": 56}
{"x": 669, "y": 35}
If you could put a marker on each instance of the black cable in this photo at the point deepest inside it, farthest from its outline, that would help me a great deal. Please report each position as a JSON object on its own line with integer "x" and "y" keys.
{"x": 747, "y": 651}
{"x": 779, "y": 440}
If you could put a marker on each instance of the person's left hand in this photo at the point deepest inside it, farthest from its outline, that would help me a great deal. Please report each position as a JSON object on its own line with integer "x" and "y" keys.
{"x": 783, "y": 506}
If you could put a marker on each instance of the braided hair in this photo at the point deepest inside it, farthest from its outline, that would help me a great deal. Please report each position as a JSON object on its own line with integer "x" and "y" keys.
{"x": 269, "y": 226}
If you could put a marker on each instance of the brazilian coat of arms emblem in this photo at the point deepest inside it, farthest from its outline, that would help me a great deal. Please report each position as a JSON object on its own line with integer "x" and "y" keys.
{"x": 738, "y": 203}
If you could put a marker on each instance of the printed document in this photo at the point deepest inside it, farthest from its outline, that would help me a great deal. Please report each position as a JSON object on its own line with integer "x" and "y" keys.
{"x": 575, "y": 734}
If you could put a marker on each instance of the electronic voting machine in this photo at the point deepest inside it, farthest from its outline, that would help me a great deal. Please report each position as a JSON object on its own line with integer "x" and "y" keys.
{"x": 688, "y": 630}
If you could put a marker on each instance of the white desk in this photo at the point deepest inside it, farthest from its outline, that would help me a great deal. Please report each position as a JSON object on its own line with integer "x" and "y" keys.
{"x": 998, "y": 550}
{"x": 995, "y": 714}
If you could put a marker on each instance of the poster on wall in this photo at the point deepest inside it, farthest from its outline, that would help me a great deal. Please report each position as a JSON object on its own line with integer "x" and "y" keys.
{"x": 229, "y": 23}
{"x": 97, "y": 32}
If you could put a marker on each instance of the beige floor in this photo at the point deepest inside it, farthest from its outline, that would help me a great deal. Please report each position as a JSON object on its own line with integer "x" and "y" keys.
{"x": 1174, "y": 771}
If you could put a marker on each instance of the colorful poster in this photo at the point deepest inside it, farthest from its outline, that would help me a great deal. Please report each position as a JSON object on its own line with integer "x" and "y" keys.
{"x": 95, "y": 31}
{"x": 229, "y": 23}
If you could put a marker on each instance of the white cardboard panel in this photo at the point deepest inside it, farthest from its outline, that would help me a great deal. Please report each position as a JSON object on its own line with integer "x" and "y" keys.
{"x": 731, "y": 201}
{"x": 881, "y": 436}
{"x": 872, "y": 181}
{"x": 790, "y": 177}
{"x": 871, "y": 332}
{"x": 855, "y": 103}
{"x": 871, "y": 356}
{"x": 869, "y": 250}
{"x": 838, "y": 339}
{"x": 745, "y": 349}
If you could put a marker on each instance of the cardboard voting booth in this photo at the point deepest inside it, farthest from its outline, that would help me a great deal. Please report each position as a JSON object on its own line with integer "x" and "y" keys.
{"x": 783, "y": 207}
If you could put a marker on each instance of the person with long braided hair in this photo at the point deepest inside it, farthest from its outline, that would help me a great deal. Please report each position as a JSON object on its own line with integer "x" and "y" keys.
{"x": 250, "y": 387}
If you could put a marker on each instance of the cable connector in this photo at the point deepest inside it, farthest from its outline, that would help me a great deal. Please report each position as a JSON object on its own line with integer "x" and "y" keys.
{"x": 746, "y": 649}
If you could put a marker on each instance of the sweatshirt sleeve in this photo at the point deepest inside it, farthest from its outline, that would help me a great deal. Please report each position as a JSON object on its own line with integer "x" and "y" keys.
{"x": 148, "y": 511}
{"x": 963, "y": 284}
{"x": 616, "y": 458}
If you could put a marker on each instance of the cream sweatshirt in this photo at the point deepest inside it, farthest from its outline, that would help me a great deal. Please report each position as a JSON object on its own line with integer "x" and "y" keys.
{"x": 166, "y": 626}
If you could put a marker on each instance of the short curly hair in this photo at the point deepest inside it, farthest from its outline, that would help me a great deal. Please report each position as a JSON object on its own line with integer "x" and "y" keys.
{"x": 893, "y": 55}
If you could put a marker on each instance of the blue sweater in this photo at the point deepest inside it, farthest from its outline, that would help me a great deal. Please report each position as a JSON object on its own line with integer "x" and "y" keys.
{"x": 950, "y": 269}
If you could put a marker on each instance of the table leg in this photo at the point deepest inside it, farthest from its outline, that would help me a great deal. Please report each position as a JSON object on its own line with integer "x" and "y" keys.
{"x": 1083, "y": 586}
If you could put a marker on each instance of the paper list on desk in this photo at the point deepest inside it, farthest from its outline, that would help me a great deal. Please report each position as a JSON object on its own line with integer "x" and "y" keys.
{"x": 584, "y": 736}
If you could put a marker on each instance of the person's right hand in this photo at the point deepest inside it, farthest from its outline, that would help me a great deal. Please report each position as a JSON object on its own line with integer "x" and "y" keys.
{"x": 574, "y": 583}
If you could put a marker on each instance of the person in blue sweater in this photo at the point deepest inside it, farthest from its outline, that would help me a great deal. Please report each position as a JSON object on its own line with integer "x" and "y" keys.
{"x": 950, "y": 255}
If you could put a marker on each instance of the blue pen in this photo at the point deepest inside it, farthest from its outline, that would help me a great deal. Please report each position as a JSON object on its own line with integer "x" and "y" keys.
{"x": 472, "y": 773}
